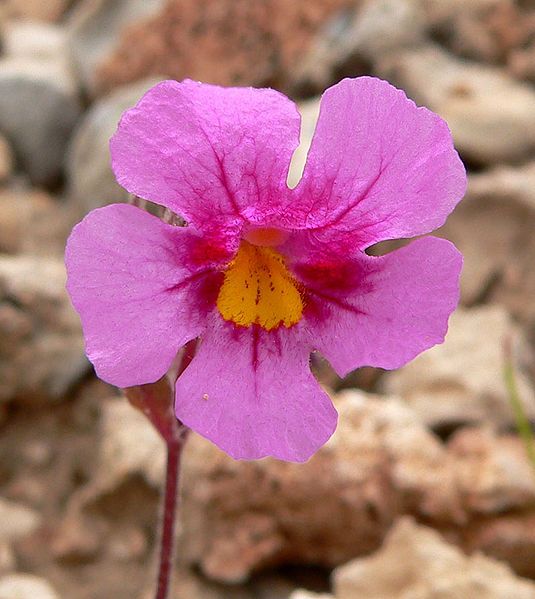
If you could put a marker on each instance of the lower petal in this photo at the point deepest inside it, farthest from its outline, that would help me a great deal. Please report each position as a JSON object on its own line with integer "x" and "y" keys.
{"x": 399, "y": 307}
{"x": 140, "y": 290}
{"x": 251, "y": 392}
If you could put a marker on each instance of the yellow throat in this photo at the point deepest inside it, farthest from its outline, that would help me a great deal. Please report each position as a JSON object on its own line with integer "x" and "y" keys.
{"x": 259, "y": 289}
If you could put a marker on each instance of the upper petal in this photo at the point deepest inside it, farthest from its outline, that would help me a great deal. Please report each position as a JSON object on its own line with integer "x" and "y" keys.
{"x": 140, "y": 291}
{"x": 378, "y": 168}
{"x": 209, "y": 153}
{"x": 383, "y": 311}
{"x": 251, "y": 393}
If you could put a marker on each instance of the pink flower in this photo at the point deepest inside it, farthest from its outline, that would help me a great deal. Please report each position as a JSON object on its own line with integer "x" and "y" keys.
{"x": 263, "y": 274}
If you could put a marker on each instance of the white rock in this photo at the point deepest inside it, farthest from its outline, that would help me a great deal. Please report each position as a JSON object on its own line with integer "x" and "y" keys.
{"x": 493, "y": 228}
{"x": 33, "y": 40}
{"x": 129, "y": 446}
{"x": 462, "y": 379}
{"x": 490, "y": 114}
{"x": 16, "y": 521}
{"x": 505, "y": 183}
{"x": 25, "y": 586}
{"x": 416, "y": 563}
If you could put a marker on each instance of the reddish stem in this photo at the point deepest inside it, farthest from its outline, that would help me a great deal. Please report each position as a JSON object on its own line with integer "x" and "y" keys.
{"x": 170, "y": 502}
{"x": 156, "y": 401}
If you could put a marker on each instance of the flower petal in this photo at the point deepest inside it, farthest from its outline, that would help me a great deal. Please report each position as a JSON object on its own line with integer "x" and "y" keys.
{"x": 399, "y": 306}
{"x": 378, "y": 167}
{"x": 251, "y": 393}
{"x": 139, "y": 291}
{"x": 206, "y": 152}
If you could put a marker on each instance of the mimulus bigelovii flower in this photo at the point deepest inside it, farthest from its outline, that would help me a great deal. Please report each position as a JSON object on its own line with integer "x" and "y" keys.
{"x": 264, "y": 274}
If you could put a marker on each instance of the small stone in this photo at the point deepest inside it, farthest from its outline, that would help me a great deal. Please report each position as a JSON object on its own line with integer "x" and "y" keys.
{"x": 493, "y": 228}
{"x": 492, "y": 474}
{"x": 16, "y": 521}
{"x": 37, "y": 131}
{"x": 25, "y": 586}
{"x": 461, "y": 380}
{"x": 490, "y": 114}
{"x": 90, "y": 180}
{"x": 42, "y": 348}
{"x": 35, "y": 41}
{"x": 415, "y": 562}
{"x": 129, "y": 446}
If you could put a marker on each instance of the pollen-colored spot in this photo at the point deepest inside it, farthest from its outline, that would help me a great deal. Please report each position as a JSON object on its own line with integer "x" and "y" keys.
{"x": 259, "y": 289}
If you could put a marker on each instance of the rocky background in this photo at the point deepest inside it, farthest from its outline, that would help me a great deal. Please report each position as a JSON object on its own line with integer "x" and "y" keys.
{"x": 425, "y": 491}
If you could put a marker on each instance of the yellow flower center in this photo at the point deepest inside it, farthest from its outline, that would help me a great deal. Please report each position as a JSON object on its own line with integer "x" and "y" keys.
{"x": 259, "y": 289}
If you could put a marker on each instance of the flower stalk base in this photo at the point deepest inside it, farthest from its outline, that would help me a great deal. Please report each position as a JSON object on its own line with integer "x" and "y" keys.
{"x": 156, "y": 401}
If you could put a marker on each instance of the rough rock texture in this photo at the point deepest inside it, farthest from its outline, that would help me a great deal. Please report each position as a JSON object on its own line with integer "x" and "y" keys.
{"x": 416, "y": 563}
{"x": 41, "y": 346}
{"x": 90, "y": 180}
{"x": 493, "y": 227}
{"x": 94, "y": 29}
{"x": 32, "y": 222}
{"x": 497, "y": 487}
{"x": 261, "y": 44}
{"x": 490, "y": 114}
{"x": 240, "y": 517}
{"x": 25, "y": 586}
{"x": 381, "y": 462}
{"x": 33, "y": 68}
{"x": 461, "y": 381}
{"x": 129, "y": 450}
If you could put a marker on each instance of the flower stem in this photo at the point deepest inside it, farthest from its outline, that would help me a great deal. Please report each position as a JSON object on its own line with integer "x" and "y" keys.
{"x": 170, "y": 502}
{"x": 156, "y": 402}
